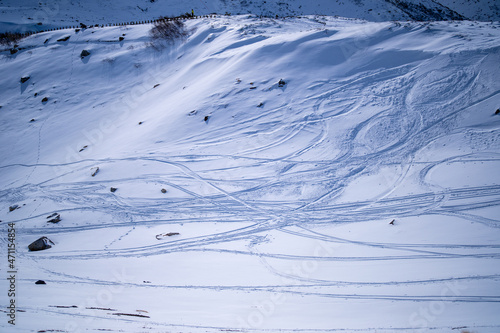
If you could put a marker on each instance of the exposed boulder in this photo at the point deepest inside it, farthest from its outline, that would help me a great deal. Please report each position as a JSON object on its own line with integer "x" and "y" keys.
{"x": 281, "y": 83}
{"x": 63, "y": 39}
{"x": 113, "y": 189}
{"x": 54, "y": 218}
{"x": 94, "y": 171}
{"x": 40, "y": 244}
{"x": 84, "y": 54}
{"x": 24, "y": 79}
{"x": 13, "y": 208}
{"x": 40, "y": 282}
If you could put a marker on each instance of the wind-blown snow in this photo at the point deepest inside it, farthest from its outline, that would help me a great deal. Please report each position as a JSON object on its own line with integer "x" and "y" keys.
{"x": 282, "y": 195}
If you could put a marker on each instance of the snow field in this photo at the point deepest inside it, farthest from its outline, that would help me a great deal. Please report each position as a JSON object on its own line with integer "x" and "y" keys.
{"x": 282, "y": 197}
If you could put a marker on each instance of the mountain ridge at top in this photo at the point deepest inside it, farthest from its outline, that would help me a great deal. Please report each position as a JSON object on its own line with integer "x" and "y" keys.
{"x": 36, "y": 16}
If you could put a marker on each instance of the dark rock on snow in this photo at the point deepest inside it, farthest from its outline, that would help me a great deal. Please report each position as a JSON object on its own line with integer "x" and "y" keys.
{"x": 40, "y": 282}
{"x": 169, "y": 234}
{"x": 94, "y": 171}
{"x": 54, "y": 218}
{"x": 24, "y": 79}
{"x": 84, "y": 54}
{"x": 52, "y": 215}
{"x": 63, "y": 39}
{"x": 40, "y": 244}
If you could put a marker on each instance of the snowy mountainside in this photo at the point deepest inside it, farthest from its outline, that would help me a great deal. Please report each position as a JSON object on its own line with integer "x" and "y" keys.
{"x": 360, "y": 194}
{"x": 36, "y": 16}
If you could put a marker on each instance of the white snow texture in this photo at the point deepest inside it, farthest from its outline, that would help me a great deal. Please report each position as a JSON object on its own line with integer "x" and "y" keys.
{"x": 360, "y": 194}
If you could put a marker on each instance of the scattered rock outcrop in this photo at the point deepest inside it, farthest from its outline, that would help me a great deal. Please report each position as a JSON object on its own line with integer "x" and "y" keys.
{"x": 168, "y": 234}
{"x": 63, "y": 39}
{"x": 42, "y": 243}
{"x": 94, "y": 171}
{"x": 54, "y": 218}
{"x": 84, "y": 54}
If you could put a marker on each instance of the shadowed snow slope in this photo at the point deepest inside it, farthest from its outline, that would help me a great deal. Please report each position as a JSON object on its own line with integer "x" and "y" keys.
{"x": 282, "y": 194}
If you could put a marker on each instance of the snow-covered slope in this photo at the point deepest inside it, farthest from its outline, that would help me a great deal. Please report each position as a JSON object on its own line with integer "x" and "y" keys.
{"x": 282, "y": 196}
{"x": 36, "y": 16}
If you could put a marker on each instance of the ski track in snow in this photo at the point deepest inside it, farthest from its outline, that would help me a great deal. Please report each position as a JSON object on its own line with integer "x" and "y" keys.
{"x": 338, "y": 133}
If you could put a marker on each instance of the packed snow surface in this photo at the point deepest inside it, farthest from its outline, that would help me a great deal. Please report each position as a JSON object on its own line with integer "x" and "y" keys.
{"x": 361, "y": 194}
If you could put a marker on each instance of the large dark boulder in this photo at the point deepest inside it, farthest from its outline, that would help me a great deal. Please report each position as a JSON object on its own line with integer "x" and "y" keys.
{"x": 40, "y": 244}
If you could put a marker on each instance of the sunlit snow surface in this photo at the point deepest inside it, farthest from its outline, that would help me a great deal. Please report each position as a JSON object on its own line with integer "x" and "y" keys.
{"x": 282, "y": 196}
